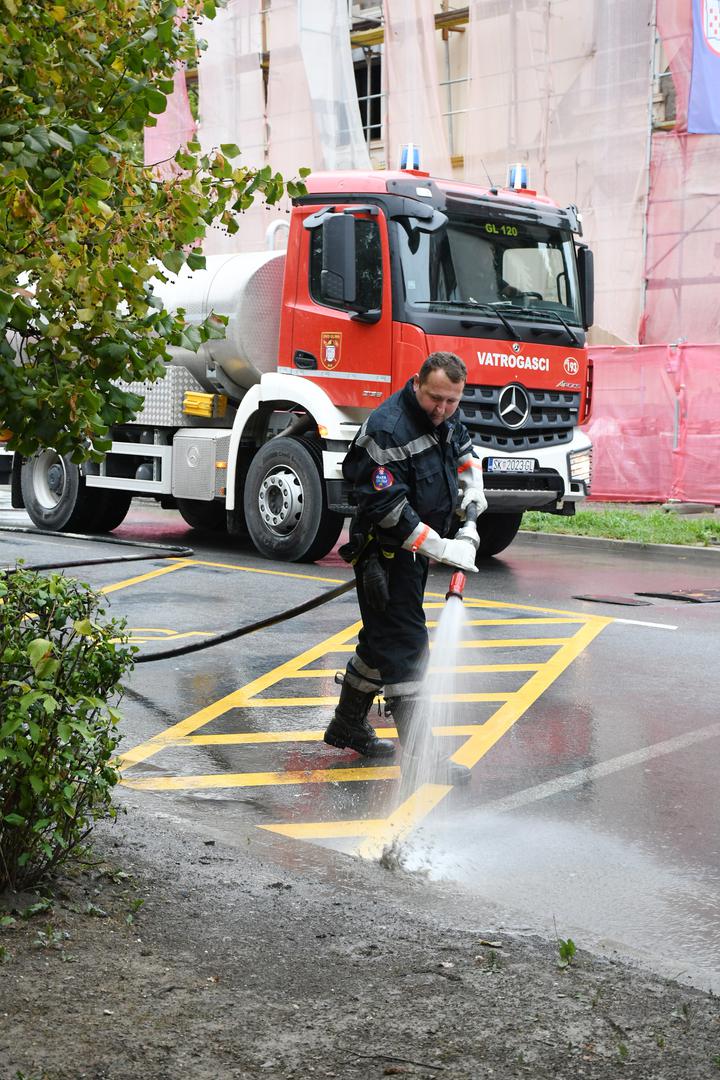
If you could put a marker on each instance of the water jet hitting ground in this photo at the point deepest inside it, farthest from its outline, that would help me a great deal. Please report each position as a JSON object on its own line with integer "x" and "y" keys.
{"x": 425, "y": 758}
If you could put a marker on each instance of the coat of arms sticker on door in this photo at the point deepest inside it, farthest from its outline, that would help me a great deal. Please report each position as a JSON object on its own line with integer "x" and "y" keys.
{"x": 330, "y": 343}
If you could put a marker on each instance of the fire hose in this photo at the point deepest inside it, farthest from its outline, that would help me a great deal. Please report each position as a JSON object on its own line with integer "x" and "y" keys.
{"x": 165, "y": 551}
{"x": 457, "y": 586}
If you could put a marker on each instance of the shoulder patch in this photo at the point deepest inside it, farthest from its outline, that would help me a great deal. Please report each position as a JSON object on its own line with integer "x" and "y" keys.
{"x": 382, "y": 478}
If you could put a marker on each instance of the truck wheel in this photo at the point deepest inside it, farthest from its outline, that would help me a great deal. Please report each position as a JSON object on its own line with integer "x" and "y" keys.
{"x": 286, "y": 502}
{"x": 54, "y": 493}
{"x": 496, "y": 532}
{"x": 106, "y": 509}
{"x": 203, "y": 516}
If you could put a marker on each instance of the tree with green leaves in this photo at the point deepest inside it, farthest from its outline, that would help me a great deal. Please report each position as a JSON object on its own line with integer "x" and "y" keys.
{"x": 84, "y": 225}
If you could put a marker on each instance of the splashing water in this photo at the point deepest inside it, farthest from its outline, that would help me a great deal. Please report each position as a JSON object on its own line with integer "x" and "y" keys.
{"x": 426, "y": 751}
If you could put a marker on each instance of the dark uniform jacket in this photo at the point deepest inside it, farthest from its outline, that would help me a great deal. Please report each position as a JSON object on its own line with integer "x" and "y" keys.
{"x": 404, "y": 470}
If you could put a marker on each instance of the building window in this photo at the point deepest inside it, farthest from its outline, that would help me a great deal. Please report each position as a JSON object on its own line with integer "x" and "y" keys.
{"x": 369, "y": 93}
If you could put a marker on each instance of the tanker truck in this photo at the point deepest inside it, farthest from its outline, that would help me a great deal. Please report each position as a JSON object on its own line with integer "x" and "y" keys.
{"x": 381, "y": 268}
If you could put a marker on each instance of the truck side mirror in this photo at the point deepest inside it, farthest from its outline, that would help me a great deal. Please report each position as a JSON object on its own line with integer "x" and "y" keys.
{"x": 338, "y": 281}
{"x": 586, "y": 272}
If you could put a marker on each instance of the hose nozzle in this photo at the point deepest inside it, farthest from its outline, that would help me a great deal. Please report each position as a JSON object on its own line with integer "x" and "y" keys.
{"x": 457, "y": 585}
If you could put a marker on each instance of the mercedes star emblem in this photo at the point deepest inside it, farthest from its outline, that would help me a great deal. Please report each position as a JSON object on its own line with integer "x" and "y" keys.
{"x": 513, "y": 406}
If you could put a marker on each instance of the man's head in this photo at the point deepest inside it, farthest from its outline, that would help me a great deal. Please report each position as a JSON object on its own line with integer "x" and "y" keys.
{"x": 439, "y": 385}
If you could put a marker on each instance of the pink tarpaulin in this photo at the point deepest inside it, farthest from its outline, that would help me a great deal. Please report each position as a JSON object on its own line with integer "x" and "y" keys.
{"x": 175, "y": 128}
{"x": 655, "y": 425}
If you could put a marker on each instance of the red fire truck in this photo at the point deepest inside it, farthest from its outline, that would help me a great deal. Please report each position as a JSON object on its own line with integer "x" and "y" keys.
{"x": 381, "y": 269}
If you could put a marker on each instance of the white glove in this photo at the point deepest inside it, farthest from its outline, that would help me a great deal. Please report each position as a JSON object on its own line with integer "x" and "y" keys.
{"x": 474, "y": 495}
{"x": 458, "y": 552}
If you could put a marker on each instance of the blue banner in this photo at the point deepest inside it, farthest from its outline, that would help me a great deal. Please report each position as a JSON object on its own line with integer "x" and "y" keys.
{"x": 704, "y": 103}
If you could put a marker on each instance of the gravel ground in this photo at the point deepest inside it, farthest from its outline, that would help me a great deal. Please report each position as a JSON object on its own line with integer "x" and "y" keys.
{"x": 178, "y": 955}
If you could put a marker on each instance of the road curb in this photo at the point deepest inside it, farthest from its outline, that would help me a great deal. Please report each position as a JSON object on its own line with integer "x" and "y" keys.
{"x": 601, "y": 543}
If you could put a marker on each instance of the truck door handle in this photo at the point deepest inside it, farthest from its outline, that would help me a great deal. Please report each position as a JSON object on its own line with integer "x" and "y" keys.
{"x": 305, "y": 360}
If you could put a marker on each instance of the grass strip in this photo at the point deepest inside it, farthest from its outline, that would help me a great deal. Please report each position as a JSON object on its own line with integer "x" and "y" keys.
{"x": 644, "y": 527}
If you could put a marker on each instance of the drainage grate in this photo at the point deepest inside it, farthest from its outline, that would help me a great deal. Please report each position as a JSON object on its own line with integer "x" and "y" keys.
{"x": 693, "y": 596}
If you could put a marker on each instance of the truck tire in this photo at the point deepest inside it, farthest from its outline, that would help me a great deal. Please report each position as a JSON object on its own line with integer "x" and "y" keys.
{"x": 203, "y": 516}
{"x": 496, "y": 532}
{"x": 54, "y": 493}
{"x": 106, "y": 509}
{"x": 286, "y": 502}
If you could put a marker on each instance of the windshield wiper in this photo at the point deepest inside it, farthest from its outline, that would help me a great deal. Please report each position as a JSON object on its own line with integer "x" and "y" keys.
{"x": 474, "y": 305}
{"x": 546, "y": 313}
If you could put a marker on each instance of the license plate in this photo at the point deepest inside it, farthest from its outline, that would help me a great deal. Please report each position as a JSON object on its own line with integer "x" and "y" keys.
{"x": 510, "y": 465}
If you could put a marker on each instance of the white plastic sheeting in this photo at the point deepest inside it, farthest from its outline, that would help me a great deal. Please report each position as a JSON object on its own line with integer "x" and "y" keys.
{"x": 313, "y": 114}
{"x": 565, "y": 86}
{"x": 411, "y": 85}
{"x": 324, "y": 29}
{"x": 293, "y": 137}
{"x": 232, "y": 107}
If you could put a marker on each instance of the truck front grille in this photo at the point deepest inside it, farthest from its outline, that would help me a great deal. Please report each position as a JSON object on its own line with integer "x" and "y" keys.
{"x": 553, "y": 415}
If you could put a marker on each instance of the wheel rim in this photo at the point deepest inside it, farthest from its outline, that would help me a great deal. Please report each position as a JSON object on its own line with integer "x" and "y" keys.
{"x": 280, "y": 500}
{"x": 49, "y": 479}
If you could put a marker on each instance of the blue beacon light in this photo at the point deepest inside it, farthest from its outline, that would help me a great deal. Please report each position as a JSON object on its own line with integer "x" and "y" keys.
{"x": 518, "y": 177}
{"x": 410, "y": 157}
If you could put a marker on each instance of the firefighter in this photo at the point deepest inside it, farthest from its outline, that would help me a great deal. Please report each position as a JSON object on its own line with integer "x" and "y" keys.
{"x": 408, "y": 465}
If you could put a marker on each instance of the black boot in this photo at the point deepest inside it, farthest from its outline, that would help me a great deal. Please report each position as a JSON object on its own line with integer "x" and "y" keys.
{"x": 413, "y": 739}
{"x": 350, "y": 727}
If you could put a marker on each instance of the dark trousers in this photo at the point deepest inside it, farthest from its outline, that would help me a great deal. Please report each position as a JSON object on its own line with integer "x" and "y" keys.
{"x": 392, "y": 645}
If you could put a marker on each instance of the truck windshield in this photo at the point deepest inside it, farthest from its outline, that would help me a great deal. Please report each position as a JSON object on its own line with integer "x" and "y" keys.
{"x": 523, "y": 269}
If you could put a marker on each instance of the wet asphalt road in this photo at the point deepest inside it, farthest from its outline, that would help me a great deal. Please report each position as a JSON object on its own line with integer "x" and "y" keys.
{"x": 592, "y": 729}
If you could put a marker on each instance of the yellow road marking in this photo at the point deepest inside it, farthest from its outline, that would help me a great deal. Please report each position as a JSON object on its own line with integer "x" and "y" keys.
{"x": 494, "y": 728}
{"x": 262, "y": 570}
{"x": 508, "y": 643}
{"x": 377, "y": 831}
{"x": 531, "y": 620}
{"x": 249, "y": 738}
{"x": 469, "y": 669}
{"x": 294, "y": 702}
{"x": 236, "y": 700}
{"x": 262, "y": 779}
{"x": 331, "y": 830}
{"x": 491, "y": 643}
{"x": 503, "y": 605}
{"x": 478, "y": 737}
{"x": 184, "y": 563}
{"x": 461, "y": 669}
{"x": 180, "y": 565}
{"x": 139, "y": 636}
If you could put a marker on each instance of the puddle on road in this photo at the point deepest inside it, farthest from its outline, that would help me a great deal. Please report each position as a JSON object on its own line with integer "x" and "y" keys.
{"x": 603, "y": 892}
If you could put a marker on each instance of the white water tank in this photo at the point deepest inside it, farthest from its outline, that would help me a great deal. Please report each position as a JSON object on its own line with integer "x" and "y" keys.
{"x": 247, "y": 287}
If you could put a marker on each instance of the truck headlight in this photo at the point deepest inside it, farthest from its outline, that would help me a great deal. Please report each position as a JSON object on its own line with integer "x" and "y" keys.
{"x": 580, "y": 462}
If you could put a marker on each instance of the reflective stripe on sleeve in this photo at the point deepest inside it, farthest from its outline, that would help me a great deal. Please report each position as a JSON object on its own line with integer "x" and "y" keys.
{"x": 393, "y": 515}
{"x": 395, "y": 453}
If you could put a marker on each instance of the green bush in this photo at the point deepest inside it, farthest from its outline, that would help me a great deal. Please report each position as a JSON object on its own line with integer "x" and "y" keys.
{"x": 60, "y": 666}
